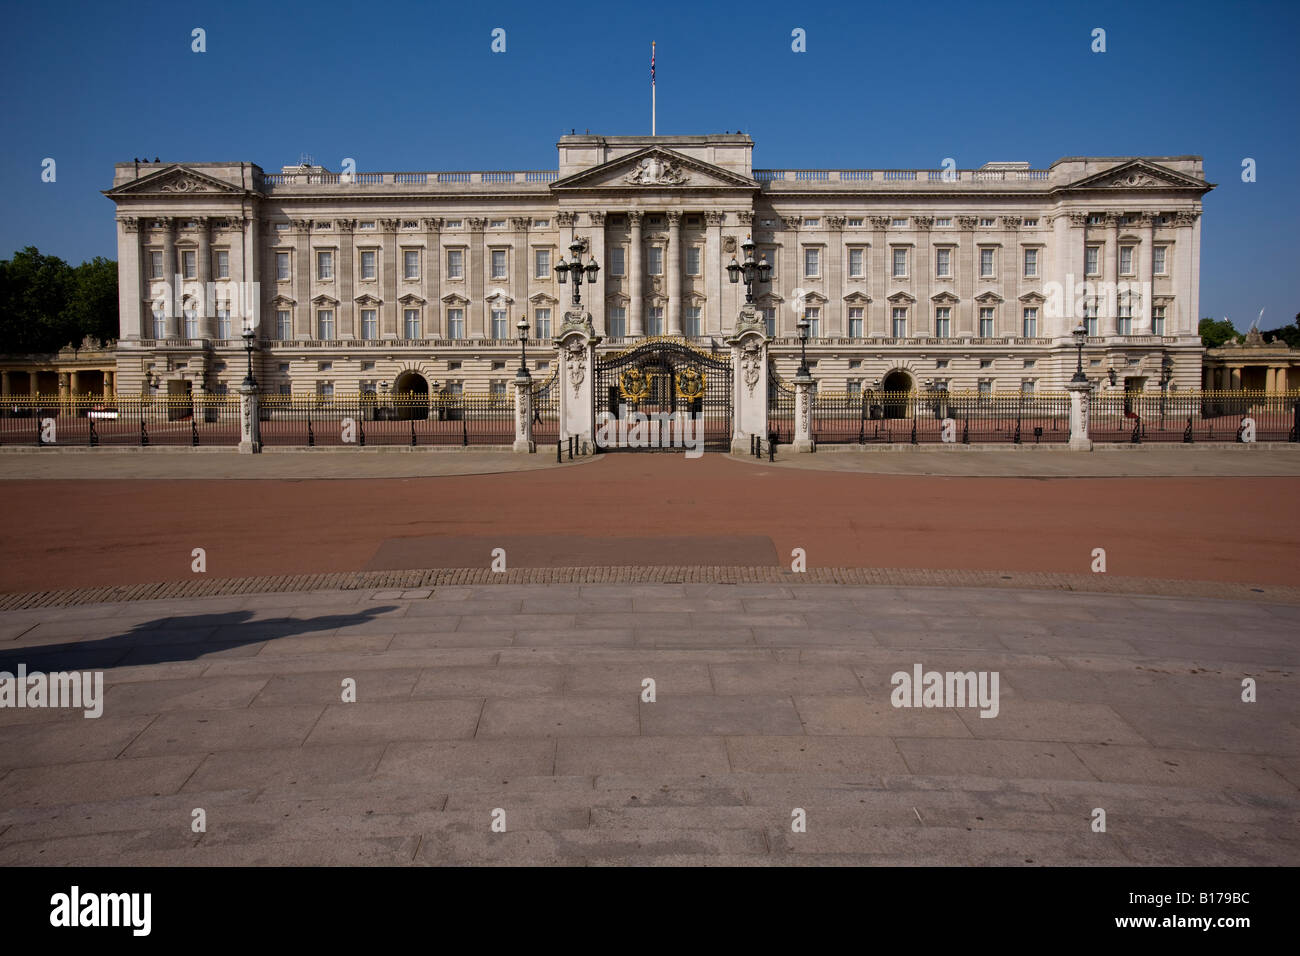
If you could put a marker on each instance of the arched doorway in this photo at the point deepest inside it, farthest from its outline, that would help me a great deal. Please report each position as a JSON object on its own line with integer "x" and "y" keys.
{"x": 410, "y": 396}
{"x": 896, "y": 386}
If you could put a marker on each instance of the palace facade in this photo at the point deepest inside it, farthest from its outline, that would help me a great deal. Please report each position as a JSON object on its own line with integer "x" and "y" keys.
{"x": 960, "y": 278}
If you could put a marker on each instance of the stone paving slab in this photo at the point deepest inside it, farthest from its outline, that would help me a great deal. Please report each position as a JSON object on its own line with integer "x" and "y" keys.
{"x": 528, "y": 698}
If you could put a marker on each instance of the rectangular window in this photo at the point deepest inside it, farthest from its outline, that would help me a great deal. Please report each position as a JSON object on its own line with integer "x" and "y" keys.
{"x": 691, "y": 321}
{"x": 1027, "y": 387}
{"x": 1031, "y": 322}
{"x": 282, "y": 265}
{"x": 370, "y": 323}
{"x": 498, "y": 263}
{"x": 692, "y": 260}
{"x": 1031, "y": 263}
{"x": 1158, "y": 320}
{"x": 541, "y": 263}
{"x": 986, "y": 323}
{"x": 656, "y": 261}
{"x": 770, "y": 256}
{"x": 455, "y": 323}
{"x": 943, "y": 263}
{"x": 1090, "y": 317}
{"x": 325, "y": 324}
{"x": 1092, "y": 260}
{"x": 155, "y": 265}
{"x": 1124, "y": 322}
{"x": 283, "y": 325}
{"x": 499, "y": 329}
{"x": 985, "y": 387}
{"x": 814, "y": 316}
{"x": 855, "y": 322}
{"x": 617, "y": 266}
{"x": 986, "y": 263}
{"x": 223, "y": 265}
{"x": 497, "y": 389}
{"x": 655, "y": 320}
{"x": 368, "y": 264}
{"x": 411, "y": 264}
{"x": 1158, "y": 259}
{"x": 769, "y": 316}
{"x": 900, "y": 323}
{"x": 812, "y": 262}
{"x": 324, "y": 265}
{"x": 325, "y": 389}
{"x": 542, "y": 321}
{"x": 191, "y": 324}
{"x": 900, "y": 263}
{"x": 455, "y": 263}
{"x": 942, "y": 322}
{"x": 615, "y": 321}
{"x": 943, "y": 221}
{"x": 223, "y": 323}
{"x": 1126, "y": 260}
{"x": 986, "y": 223}
{"x": 411, "y": 323}
{"x": 857, "y": 267}
{"x": 159, "y": 324}
{"x": 189, "y": 260}
{"x": 898, "y": 222}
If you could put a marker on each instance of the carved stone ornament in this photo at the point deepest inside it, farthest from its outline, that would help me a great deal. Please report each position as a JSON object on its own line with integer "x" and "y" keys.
{"x": 434, "y": 224}
{"x": 967, "y": 222}
{"x": 519, "y": 223}
{"x": 1078, "y": 218}
{"x": 576, "y": 360}
{"x": 879, "y": 222}
{"x": 576, "y": 322}
{"x": 1011, "y": 222}
{"x": 475, "y": 224}
{"x": 729, "y": 244}
{"x": 565, "y": 218}
{"x": 713, "y": 218}
{"x": 130, "y": 224}
{"x": 1185, "y": 218}
{"x": 597, "y": 218}
{"x": 652, "y": 171}
{"x": 751, "y": 360}
{"x": 634, "y": 218}
{"x": 345, "y": 225}
{"x": 803, "y": 409}
{"x": 1133, "y": 178}
{"x": 925, "y": 222}
{"x": 835, "y": 222}
{"x": 185, "y": 184}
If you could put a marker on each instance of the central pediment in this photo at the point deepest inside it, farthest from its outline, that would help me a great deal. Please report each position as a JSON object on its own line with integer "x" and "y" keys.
{"x": 655, "y": 168}
{"x": 175, "y": 180}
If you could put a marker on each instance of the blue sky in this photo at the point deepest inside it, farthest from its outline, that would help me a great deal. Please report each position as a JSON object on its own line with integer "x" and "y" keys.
{"x": 415, "y": 86}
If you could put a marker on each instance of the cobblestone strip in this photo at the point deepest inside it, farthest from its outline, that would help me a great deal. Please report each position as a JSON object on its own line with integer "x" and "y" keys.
{"x": 427, "y": 578}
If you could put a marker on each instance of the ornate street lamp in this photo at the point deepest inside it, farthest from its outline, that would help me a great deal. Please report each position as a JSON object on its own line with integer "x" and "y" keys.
{"x": 760, "y": 271}
{"x": 562, "y": 269}
{"x": 1080, "y": 334}
{"x": 248, "y": 335}
{"x": 522, "y": 375}
{"x": 804, "y": 325}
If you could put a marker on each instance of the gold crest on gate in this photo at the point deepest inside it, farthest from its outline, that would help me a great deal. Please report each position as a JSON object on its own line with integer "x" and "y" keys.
{"x": 690, "y": 383}
{"x": 633, "y": 385}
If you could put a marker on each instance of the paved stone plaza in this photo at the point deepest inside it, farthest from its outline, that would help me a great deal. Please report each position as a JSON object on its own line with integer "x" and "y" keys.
{"x": 527, "y": 698}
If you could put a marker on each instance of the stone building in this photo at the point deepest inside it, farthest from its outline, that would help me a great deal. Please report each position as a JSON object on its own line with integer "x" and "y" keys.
{"x": 964, "y": 278}
{"x": 1254, "y": 364}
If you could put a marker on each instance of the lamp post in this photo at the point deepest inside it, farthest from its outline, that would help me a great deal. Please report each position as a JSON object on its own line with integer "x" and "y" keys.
{"x": 522, "y": 375}
{"x": 804, "y": 325}
{"x": 760, "y": 271}
{"x": 1166, "y": 374}
{"x": 248, "y": 335}
{"x": 562, "y": 269}
{"x": 1080, "y": 334}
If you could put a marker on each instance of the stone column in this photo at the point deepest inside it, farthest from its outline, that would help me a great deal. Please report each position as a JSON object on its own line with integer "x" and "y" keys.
{"x": 713, "y": 273}
{"x": 33, "y": 383}
{"x": 1108, "y": 307}
{"x": 132, "y": 277}
{"x": 304, "y": 271}
{"x": 1236, "y": 379}
{"x": 1270, "y": 379}
{"x": 432, "y": 276}
{"x": 835, "y": 321}
{"x": 596, "y": 249}
{"x": 207, "y": 317}
{"x": 1281, "y": 378}
{"x": 523, "y": 412}
{"x": 803, "y": 385}
{"x": 250, "y": 428}
{"x": 881, "y": 270}
{"x": 476, "y": 269}
{"x": 749, "y": 384}
{"x": 1146, "y": 254}
{"x": 673, "y": 266}
{"x": 389, "y": 308}
{"x": 345, "y": 325}
{"x": 576, "y": 354}
{"x": 74, "y": 382}
{"x": 636, "y": 277}
{"x": 5, "y": 386}
{"x": 1080, "y": 400}
{"x": 174, "y": 281}
{"x": 110, "y": 384}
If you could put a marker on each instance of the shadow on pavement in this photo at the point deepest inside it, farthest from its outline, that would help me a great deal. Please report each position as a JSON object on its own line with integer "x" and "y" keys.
{"x": 173, "y": 638}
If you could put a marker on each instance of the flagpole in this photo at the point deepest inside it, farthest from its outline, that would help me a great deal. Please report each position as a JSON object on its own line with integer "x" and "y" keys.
{"x": 652, "y": 87}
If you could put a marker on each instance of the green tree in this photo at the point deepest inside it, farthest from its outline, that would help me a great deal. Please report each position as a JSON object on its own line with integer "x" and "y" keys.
{"x": 1290, "y": 334}
{"x": 46, "y": 304}
{"x": 1215, "y": 333}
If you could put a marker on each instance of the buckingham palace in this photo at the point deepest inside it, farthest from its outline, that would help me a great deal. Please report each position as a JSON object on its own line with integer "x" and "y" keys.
{"x": 415, "y": 281}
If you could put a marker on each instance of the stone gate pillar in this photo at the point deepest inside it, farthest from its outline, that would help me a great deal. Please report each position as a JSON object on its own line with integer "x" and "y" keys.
{"x": 1080, "y": 399}
{"x": 749, "y": 380}
{"x": 523, "y": 411}
{"x": 803, "y": 386}
{"x": 575, "y": 346}
{"x": 250, "y": 425}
